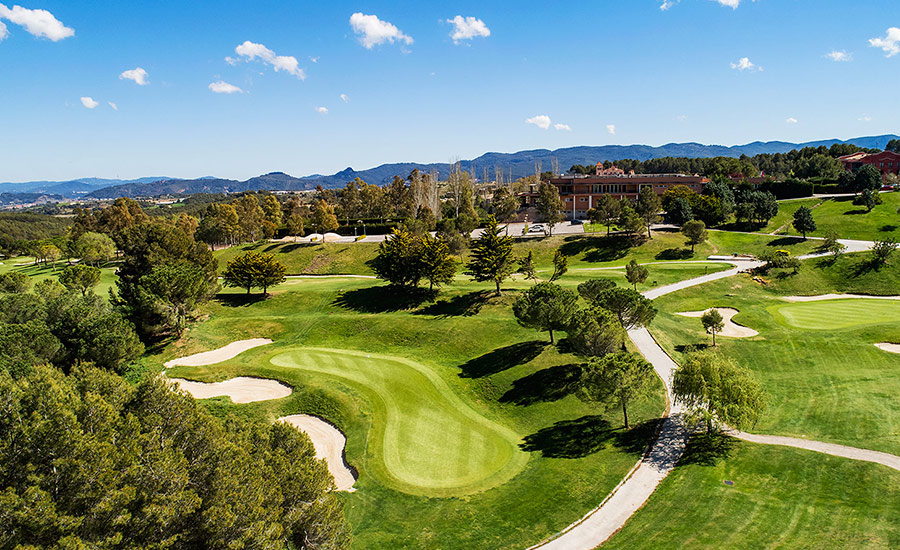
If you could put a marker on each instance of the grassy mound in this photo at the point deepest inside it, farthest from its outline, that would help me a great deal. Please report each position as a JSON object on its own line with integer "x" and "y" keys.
{"x": 842, "y": 216}
{"x": 429, "y": 440}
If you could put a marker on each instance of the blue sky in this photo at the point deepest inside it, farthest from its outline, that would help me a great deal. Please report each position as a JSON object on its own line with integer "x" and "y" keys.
{"x": 711, "y": 71}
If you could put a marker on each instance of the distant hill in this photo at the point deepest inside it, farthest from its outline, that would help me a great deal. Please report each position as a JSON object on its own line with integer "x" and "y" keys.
{"x": 517, "y": 165}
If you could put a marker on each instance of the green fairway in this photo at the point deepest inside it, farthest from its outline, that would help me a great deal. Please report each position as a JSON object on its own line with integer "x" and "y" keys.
{"x": 837, "y": 314}
{"x": 430, "y": 441}
{"x": 39, "y": 272}
{"x": 840, "y": 215}
{"x": 780, "y": 498}
{"x": 816, "y": 360}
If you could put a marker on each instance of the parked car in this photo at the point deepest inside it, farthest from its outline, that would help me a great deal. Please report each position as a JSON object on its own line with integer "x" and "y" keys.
{"x": 887, "y": 187}
{"x": 580, "y": 222}
{"x": 537, "y": 228}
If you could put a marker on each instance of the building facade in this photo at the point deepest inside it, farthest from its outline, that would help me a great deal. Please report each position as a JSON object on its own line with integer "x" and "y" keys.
{"x": 887, "y": 162}
{"x": 580, "y": 193}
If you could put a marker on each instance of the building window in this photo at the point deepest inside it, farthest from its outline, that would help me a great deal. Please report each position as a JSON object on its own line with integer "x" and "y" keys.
{"x": 582, "y": 199}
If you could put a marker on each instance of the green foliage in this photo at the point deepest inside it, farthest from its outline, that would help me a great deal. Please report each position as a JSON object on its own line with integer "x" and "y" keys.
{"x": 438, "y": 266}
{"x": 832, "y": 245}
{"x": 550, "y": 206}
{"x": 323, "y": 219}
{"x": 606, "y": 211}
{"x": 712, "y": 322}
{"x": 504, "y": 204}
{"x": 80, "y": 278}
{"x": 617, "y": 380}
{"x": 718, "y": 392}
{"x": 26, "y": 344}
{"x": 595, "y": 332}
{"x": 695, "y": 231}
{"x": 648, "y": 206}
{"x": 253, "y": 270}
{"x": 94, "y": 248}
{"x": 526, "y": 266}
{"x": 868, "y": 199}
{"x": 99, "y": 463}
{"x": 883, "y": 250}
{"x": 680, "y": 211}
{"x": 755, "y": 206}
{"x": 147, "y": 246}
{"x": 591, "y": 289}
{"x": 177, "y": 289}
{"x": 803, "y": 221}
{"x": 15, "y": 282}
{"x": 868, "y": 177}
{"x": 545, "y": 307}
{"x": 629, "y": 221}
{"x": 636, "y": 273}
{"x": 893, "y": 145}
{"x": 398, "y": 260}
{"x": 560, "y": 265}
{"x": 492, "y": 256}
{"x": 630, "y": 307}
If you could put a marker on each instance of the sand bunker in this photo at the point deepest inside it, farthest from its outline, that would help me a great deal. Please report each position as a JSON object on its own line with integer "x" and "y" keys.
{"x": 732, "y": 329}
{"x": 836, "y": 297}
{"x": 230, "y": 351}
{"x": 892, "y": 348}
{"x": 329, "y": 443}
{"x": 242, "y": 389}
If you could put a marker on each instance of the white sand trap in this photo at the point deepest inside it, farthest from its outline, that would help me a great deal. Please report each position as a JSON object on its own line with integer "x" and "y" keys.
{"x": 329, "y": 443}
{"x": 732, "y": 329}
{"x": 242, "y": 389}
{"x": 892, "y": 348}
{"x": 230, "y": 351}
{"x": 836, "y": 297}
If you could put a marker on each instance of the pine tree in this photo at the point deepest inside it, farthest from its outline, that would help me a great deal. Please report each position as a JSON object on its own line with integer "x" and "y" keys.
{"x": 492, "y": 256}
{"x": 438, "y": 265}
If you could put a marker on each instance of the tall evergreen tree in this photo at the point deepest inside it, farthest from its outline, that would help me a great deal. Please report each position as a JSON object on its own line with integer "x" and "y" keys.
{"x": 492, "y": 256}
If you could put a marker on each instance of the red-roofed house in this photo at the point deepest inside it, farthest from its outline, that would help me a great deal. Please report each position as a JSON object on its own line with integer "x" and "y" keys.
{"x": 886, "y": 161}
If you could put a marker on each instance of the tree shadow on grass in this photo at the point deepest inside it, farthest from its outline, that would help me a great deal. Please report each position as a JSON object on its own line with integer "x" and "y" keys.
{"x": 502, "y": 359}
{"x": 551, "y": 384}
{"x": 597, "y": 249}
{"x": 888, "y": 228}
{"x": 785, "y": 241}
{"x": 587, "y": 435}
{"x": 675, "y": 254}
{"x": 691, "y": 348}
{"x": 383, "y": 299}
{"x": 707, "y": 449}
{"x": 240, "y": 300}
{"x": 856, "y": 212}
{"x": 463, "y": 305}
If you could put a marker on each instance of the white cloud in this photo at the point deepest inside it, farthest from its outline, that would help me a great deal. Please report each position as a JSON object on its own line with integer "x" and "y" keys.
{"x": 791, "y": 120}
{"x": 345, "y": 98}
{"x": 322, "y": 110}
{"x": 890, "y": 43}
{"x": 611, "y": 129}
{"x": 222, "y": 87}
{"x": 865, "y": 118}
{"x": 667, "y": 4}
{"x": 467, "y": 28}
{"x": 733, "y": 4}
{"x": 744, "y": 64}
{"x": 113, "y": 106}
{"x": 40, "y": 23}
{"x": 541, "y": 121}
{"x": 373, "y": 31}
{"x": 139, "y": 76}
{"x": 89, "y": 102}
{"x": 250, "y": 51}
{"x": 314, "y": 59}
{"x": 681, "y": 118}
{"x": 4, "y": 32}
{"x": 565, "y": 127}
{"x": 839, "y": 56}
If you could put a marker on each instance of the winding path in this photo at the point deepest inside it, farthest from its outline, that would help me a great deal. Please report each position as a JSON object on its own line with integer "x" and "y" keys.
{"x": 629, "y": 496}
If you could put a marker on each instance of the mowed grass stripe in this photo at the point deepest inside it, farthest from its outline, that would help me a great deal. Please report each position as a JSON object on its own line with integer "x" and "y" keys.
{"x": 838, "y": 314}
{"x": 422, "y": 431}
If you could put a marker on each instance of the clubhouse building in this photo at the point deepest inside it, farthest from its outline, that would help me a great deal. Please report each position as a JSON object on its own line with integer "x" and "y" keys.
{"x": 580, "y": 193}
{"x": 886, "y": 161}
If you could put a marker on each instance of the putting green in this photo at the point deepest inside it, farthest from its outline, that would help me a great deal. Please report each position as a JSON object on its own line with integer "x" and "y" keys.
{"x": 425, "y": 439}
{"x": 837, "y": 314}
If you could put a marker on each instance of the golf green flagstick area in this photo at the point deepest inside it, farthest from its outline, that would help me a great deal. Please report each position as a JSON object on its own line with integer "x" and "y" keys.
{"x": 429, "y": 440}
{"x": 837, "y": 314}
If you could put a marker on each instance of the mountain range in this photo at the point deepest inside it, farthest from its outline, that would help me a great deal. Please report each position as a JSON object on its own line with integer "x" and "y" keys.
{"x": 515, "y": 165}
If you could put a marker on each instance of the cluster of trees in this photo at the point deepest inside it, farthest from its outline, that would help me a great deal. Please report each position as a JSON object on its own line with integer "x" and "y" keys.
{"x": 62, "y": 325}
{"x": 596, "y": 331}
{"x": 90, "y": 461}
{"x": 254, "y": 270}
{"x": 808, "y": 162}
{"x": 405, "y": 259}
{"x": 629, "y": 217}
{"x": 717, "y": 203}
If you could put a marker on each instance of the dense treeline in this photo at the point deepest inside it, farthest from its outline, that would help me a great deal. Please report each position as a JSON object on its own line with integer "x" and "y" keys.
{"x": 809, "y": 162}
{"x": 90, "y": 461}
